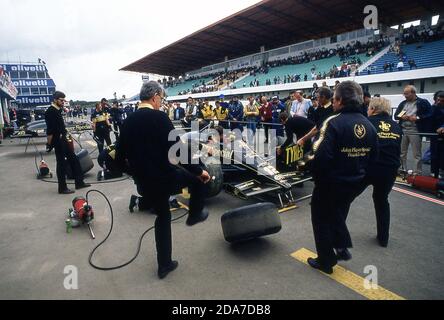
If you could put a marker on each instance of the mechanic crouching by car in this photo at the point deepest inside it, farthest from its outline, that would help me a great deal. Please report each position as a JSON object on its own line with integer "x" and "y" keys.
{"x": 144, "y": 146}
{"x": 101, "y": 126}
{"x": 298, "y": 126}
{"x": 56, "y": 138}
{"x": 346, "y": 145}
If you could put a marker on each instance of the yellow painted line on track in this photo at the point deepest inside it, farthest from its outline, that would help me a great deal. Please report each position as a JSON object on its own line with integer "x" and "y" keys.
{"x": 287, "y": 208}
{"x": 349, "y": 279}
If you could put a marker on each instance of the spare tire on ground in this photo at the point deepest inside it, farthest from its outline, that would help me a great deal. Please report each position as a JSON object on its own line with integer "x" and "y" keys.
{"x": 85, "y": 160}
{"x": 251, "y": 222}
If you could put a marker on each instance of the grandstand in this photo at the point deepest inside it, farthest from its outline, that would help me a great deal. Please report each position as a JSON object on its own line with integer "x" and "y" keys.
{"x": 175, "y": 89}
{"x": 320, "y": 66}
{"x": 425, "y": 55}
{"x": 288, "y": 30}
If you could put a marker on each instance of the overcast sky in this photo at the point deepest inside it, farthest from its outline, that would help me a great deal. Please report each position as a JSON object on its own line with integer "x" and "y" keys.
{"x": 85, "y": 42}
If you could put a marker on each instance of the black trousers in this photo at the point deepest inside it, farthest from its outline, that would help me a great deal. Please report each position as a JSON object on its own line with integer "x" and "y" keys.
{"x": 266, "y": 128}
{"x": 156, "y": 196}
{"x": 62, "y": 152}
{"x": 382, "y": 180}
{"x": 437, "y": 155}
{"x": 117, "y": 127}
{"x": 102, "y": 135}
{"x": 329, "y": 209}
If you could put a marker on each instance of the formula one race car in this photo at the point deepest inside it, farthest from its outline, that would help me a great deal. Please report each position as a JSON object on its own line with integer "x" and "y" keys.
{"x": 37, "y": 129}
{"x": 245, "y": 172}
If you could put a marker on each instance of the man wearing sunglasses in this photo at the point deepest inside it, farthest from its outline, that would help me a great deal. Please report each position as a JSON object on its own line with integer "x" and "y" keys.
{"x": 56, "y": 139}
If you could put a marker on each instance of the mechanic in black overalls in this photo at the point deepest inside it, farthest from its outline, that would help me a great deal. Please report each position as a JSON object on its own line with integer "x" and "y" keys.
{"x": 56, "y": 138}
{"x": 101, "y": 126}
{"x": 298, "y": 126}
{"x": 346, "y": 145}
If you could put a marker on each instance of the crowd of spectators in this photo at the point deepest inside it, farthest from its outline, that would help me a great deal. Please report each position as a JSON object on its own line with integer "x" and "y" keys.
{"x": 348, "y": 54}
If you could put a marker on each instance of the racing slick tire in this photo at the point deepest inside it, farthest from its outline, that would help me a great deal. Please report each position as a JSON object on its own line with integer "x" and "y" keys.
{"x": 214, "y": 186}
{"x": 85, "y": 160}
{"x": 250, "y": 222}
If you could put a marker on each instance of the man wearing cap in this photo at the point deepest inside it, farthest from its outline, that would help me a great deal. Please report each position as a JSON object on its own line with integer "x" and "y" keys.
{"x": 277, "y": 108}
{"x": 236, "y": 113}
{"x": 56, "y": 139}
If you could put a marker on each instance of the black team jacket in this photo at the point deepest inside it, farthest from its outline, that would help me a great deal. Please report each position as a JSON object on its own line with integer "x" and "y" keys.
{"x": 346, "y": 145}
{"x": 144, "y": 144}
{"x": 389, "y": 142}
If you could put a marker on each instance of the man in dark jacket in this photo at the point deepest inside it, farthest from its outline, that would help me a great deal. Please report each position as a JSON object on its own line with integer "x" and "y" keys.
{"x": 437, "y": 143}
{"x": 295, "y": 126}
{"x": 179, "y": 112}
{"x": 346, "y": 145}
{"x": 116, "y": 115}
{"x": 414, "y": 115}
{"x": 144, "y": 145}
{"x": 382, "y": 172}
{"x": 57, "y": 139}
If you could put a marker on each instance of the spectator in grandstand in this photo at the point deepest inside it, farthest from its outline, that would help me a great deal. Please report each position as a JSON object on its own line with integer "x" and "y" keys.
{"x": 412, "y": 64}
{"x": 400, "y": 65}
{"x": 251, "y": 112}
{"x": 413, "y": 114}
{"x": 235, "y": 114}
{"x": 266, "y": 114}
{"x": 179, "y": 112}
{"x": 300, "y": 106}
{"x": 437, "y": 143}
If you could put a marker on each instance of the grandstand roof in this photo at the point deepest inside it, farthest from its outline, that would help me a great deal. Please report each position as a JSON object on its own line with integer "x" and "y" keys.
{"x": 273, "y": 24}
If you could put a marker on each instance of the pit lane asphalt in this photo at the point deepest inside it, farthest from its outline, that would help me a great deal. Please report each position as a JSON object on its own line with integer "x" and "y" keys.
{"x": 35, "y": 247}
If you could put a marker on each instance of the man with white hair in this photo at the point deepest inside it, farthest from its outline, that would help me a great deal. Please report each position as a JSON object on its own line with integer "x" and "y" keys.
{"x": 413, "y": 115}
{"x": 144, "y": 146}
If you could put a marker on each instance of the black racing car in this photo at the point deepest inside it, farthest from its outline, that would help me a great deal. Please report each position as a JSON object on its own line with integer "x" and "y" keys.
{"x": 245, "y": 173}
